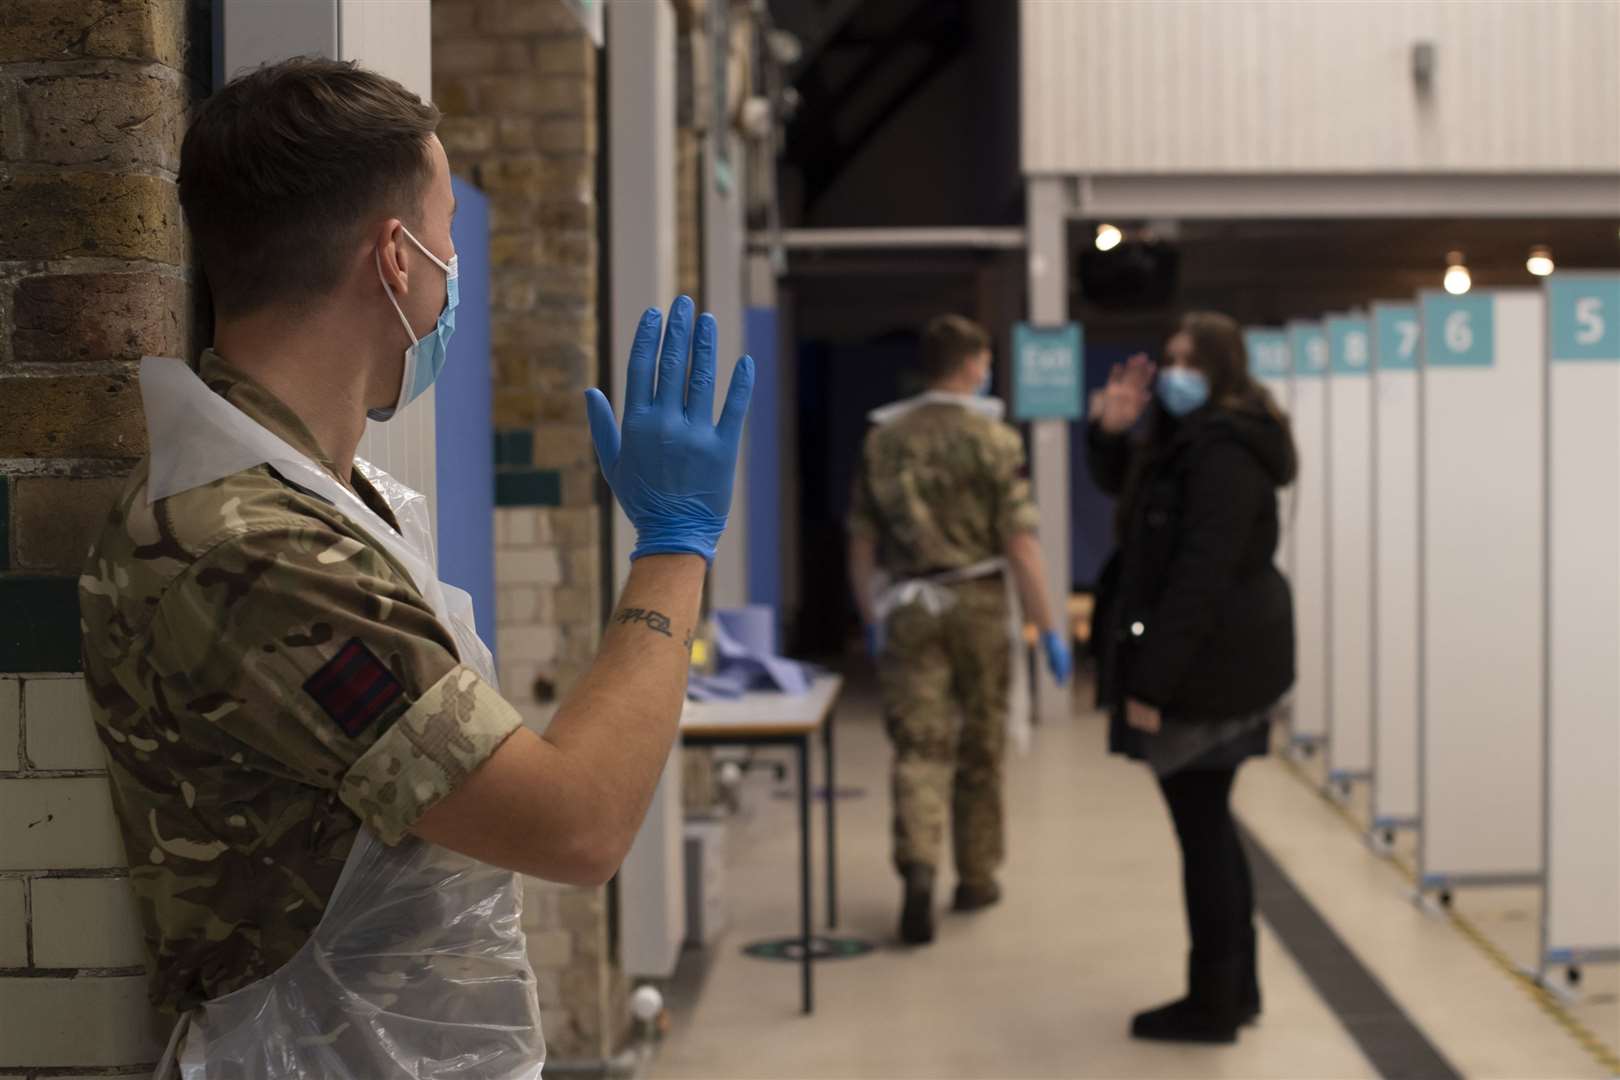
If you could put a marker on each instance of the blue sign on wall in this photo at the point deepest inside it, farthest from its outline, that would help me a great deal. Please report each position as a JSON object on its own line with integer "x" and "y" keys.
{"x": 1268, "y": 353}
{"x": 1048, "y": 364}
{"x": 1458, "y": 331}
{"x": 1398, "y": 333}
{"x": 1350, "y": 346}
{"x": 1309, "y": 346}
{"x": 1584, "y": 313}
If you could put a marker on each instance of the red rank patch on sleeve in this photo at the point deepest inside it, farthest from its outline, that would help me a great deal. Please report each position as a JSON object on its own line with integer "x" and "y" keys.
{"x": 355, "y": 687}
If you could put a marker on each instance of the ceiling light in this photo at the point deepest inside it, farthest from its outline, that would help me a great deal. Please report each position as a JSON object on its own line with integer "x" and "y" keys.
{"x": 1108, "y": 237}
{"x": 1540, "y": 262}
{"x": 1458, "y": 280}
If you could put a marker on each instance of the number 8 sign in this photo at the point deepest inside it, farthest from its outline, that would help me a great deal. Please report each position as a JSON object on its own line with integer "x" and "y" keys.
{"x": 1584, "y": 310}
{"x": 1458, "y": 331}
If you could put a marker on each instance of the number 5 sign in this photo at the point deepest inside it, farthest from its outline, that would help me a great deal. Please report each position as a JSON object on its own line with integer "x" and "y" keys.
{"x": 1584, "y": 313}
{"x": 1458, "y": 331}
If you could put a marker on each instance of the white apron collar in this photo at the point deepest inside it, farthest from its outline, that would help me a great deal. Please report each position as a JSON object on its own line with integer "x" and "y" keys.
{"x": 992, "y": 408}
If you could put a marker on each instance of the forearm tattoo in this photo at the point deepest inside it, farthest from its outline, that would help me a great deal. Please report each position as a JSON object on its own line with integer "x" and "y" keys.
{"x": 656, "y": 621}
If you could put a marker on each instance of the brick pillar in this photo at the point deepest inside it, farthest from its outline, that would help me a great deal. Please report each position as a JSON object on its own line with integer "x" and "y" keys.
{"x": 516, "y": 80}
{"x": 93, "y": 275}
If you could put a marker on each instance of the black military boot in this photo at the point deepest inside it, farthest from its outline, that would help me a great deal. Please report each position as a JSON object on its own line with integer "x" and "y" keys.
{"x": 976, "y": 895}
{"x": 917, "y": 914}
{"x": 1209, "y": 1014}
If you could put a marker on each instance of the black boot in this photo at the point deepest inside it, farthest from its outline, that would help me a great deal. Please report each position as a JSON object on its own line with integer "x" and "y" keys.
{"x": 917, "y": 914}
{"x": 1249, "y": 993}
{"x": 976, "y": 895}
{"x": 1208, "y": 1014}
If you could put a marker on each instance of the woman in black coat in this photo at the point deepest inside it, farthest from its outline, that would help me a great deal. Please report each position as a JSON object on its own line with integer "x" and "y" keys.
{"x": 1195, "y": 628}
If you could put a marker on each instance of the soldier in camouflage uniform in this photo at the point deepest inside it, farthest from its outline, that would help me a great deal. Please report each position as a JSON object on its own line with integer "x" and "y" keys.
{"x": 288, "y": 701}
{"x": 942, "y": 506}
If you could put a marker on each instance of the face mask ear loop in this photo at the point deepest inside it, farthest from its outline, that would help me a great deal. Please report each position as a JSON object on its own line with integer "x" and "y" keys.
{"x": 397, "y": 310}
{"x": 440, "y": 263}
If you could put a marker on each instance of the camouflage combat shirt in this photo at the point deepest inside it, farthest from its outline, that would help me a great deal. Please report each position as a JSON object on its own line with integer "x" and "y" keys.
{"x": 940, "y": 488}
{"x": 264, "y": 677}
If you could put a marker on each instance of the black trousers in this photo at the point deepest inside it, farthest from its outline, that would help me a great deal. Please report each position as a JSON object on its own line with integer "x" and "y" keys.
{"x": 1217, "y": 885}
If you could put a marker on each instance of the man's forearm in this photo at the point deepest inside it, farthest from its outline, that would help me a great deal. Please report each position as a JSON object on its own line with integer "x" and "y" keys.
{"x": 618, "y": 725}
{"x": 1029, "y": 572}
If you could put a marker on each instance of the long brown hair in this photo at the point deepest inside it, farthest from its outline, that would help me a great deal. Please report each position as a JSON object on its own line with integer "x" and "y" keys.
{"x": 1220, "y": 352}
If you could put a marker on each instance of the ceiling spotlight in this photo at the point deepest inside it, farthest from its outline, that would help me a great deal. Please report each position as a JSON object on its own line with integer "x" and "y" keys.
{"x": 1108, "y": 237}
{"x": 1540, "y": 262}
{"x": 1458, "y": 280}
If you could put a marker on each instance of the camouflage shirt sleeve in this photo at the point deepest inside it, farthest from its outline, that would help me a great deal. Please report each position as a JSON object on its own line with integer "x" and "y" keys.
{"x": 863, "y": 518}
{"x": 313, "y": 657}
{"x": 1009, "y": 472}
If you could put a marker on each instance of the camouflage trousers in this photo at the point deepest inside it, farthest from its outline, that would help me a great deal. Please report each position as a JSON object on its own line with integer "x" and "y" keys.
{"x": 945, "y": 682}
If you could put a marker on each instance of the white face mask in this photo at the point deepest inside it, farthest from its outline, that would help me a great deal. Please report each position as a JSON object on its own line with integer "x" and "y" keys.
{"x": 425, "y": 357}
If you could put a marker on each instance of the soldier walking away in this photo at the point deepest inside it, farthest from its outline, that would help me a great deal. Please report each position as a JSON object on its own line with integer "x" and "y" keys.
{"x": 941, "y": 531}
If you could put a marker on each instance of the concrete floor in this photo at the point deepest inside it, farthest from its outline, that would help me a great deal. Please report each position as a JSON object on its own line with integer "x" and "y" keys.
{"x": 1091, "y": 930}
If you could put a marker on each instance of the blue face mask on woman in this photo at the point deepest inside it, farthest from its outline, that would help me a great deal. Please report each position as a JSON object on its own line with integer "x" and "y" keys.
{"x": 425, "y": 357}
{"x": 1182, "y": 390}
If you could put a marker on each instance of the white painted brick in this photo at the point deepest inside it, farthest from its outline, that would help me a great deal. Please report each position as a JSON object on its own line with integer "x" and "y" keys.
{"x": 517, "y": 681}
{"x": 520, "y": 522}
{"x": 61, "y": 734}
{"x": 13, "y": 924}
{"x": 543, "y": 532}
{"x": 528, "y": 644}
{"x": 551, "y": 949}
{"x": 86, "y": 922}
{"x": 10, "y": 724}
{"x": 538, "y": 567}
{"x": 516, "y": 605}
{"x": 84, "y": 1023}
{"x": 64, "y": 824}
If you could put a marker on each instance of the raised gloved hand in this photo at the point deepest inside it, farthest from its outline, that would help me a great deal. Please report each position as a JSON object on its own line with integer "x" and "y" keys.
{"x": 1059, "y": 660}
{"x": 874, "y": 640}
{"x": 671, "y": 466}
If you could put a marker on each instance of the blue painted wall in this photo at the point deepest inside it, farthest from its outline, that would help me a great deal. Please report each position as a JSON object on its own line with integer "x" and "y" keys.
{"x": 465, "y": 436}
{"x": 764, "y": 475}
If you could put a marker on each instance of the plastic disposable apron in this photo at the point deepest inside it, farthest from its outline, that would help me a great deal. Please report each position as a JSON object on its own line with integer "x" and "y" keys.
{"x": 418, "y": 968}
{"x": 934, "y": 592}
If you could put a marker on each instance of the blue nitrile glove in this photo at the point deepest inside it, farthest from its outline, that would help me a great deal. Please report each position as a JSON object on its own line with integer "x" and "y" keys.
{"x": 874, "y": 640}
{"x": 1058, "y": 657}
{"x": 671, "y": 466}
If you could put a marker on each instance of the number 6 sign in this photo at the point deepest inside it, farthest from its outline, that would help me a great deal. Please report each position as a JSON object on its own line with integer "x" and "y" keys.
{"x": 1458, "y": 331}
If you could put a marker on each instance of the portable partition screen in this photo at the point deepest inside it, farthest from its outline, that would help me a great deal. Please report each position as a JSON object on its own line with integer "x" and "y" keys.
{"x": 1482, "y": 441}
{"x": 1272, "y": 365}
{"x": 1350, "y": 532}
{"x": 1395, "y": 336}
{"x": 1312, "y": 556}
{"x": 1581, "y": 912}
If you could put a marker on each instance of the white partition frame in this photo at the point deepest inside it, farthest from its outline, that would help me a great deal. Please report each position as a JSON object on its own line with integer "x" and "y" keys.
{"x": 1482, "y": 722}
{"x": 1580, "y": 915}
{"x": 1397, "y": 567}
{"x": 1272, "y": 365}
{"x": 1350, "y": 529}
{"x": 1312, "y": 543}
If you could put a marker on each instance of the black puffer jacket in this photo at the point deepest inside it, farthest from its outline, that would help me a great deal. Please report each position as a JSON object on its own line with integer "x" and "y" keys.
{"x": 1193, "y": 616}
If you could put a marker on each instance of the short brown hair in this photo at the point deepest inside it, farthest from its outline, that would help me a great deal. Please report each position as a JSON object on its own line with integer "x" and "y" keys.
{"x": 948, "y": 342}
{"x": 284, "y": 166}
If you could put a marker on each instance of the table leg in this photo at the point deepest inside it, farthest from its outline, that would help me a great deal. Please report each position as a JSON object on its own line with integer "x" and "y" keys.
{"x": 804, "y": 872}
{"x": 829, "y": 748}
